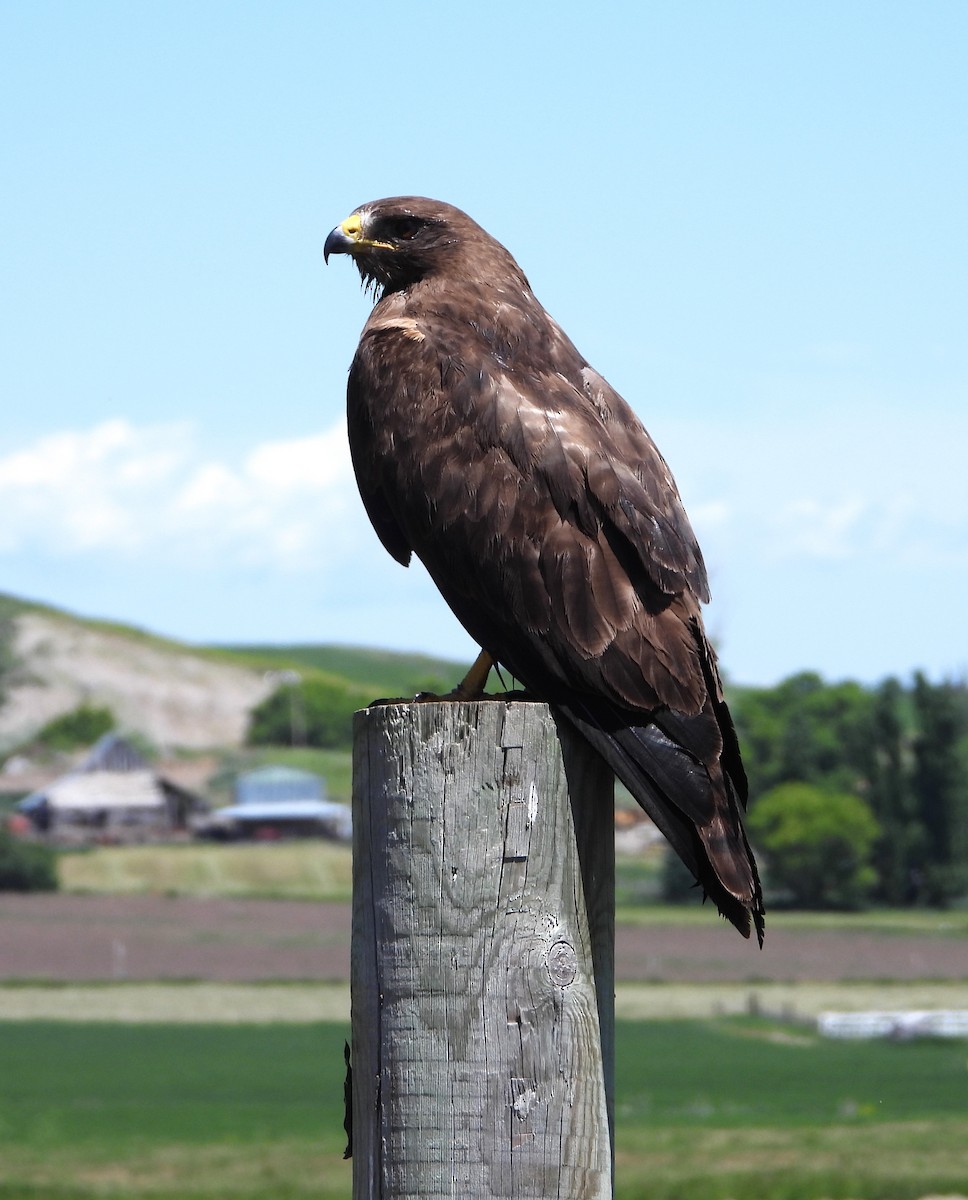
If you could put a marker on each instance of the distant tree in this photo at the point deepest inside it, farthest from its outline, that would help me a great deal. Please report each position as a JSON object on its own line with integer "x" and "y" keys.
{"x": 313, "y": 712}
{"x": 80, "y": 727}
{"x": 26, "y": 866}
{"x": 816, "y": 845}
{"x": 899, "y": 852}
{"x": 904, "y": 750}
{"x": 677, "y": 884}
{"x": 804, "y": 730}
{"x": 940, "y": 786}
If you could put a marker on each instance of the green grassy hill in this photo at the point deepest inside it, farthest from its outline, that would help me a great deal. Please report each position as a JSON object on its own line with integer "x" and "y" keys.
{"x": 383, "y": 672}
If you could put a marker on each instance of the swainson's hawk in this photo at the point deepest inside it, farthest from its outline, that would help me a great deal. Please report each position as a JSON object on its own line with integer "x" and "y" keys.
{"x": 485, "y": 444}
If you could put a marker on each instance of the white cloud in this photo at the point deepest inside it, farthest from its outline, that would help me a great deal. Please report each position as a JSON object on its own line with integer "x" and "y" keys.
{"x": 813, "y": 528}
{"x": 312, "y": 463}
{"x": 117, "y": 487}
{"x": 857, "y": 485}
{"x": 820, "y": 530}
{"x": 711, "y": 513}
{"x": 819, "y": 487}
{"x": 211, "y": 486}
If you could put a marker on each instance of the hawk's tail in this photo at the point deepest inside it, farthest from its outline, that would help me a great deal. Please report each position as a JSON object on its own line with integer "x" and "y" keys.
{"x": 693, "y": 802}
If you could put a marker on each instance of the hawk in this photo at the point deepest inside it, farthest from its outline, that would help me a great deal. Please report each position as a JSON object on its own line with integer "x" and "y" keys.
{"x": 486, "y": 445}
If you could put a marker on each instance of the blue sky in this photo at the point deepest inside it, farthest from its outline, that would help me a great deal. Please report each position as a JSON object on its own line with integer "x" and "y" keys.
{"x": 750, "y": 217}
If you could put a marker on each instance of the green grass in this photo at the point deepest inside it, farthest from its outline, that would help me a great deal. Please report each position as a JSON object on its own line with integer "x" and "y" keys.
{"x": 832, "y": 1162}
{"x": 742, "y": 1072}
{"x": 123, "y": 1085}
{"x": 746, "y": 1108}
{"x": 164, "y": 1111}
{"x": 705, "y": 1111}
{"x": 304, "y": 870}
{"x": 951, "y": 923}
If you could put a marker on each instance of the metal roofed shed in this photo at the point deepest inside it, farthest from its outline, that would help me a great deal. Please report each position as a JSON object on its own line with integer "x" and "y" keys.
{"x": 278, "y": 784}
{"x": 275, "y": 802}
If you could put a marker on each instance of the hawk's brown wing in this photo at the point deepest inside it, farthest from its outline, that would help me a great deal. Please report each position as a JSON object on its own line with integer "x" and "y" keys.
{"x": 553, "y": 528}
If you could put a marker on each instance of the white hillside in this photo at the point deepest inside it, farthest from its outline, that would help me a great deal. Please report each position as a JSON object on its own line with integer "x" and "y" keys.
{"x": 164, "y": 691}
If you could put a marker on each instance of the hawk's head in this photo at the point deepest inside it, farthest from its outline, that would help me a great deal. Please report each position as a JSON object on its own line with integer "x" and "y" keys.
{"x": 399, "y": 241}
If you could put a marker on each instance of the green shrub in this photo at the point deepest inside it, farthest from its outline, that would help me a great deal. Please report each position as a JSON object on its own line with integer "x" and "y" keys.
{"x": 817, "y": 845}
{"x": 313, "y": 712}
{"x": 26, "y": 866}
{"x": 78, "y": 728}
{"x": 945, "y": 885}
{"x": 678, "y": 883}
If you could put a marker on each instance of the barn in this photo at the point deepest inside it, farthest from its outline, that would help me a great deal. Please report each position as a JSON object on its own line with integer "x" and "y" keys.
{"x": 113, "y": 794}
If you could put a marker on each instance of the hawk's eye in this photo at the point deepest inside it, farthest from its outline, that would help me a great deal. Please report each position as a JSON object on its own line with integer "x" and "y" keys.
{"x": 406, "y": 228}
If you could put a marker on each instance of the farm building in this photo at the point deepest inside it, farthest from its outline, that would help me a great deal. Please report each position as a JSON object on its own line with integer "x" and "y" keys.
{"x": 278, "y": 785}
{"x": 273, "y": 802}
{"x": 112, "y": 793}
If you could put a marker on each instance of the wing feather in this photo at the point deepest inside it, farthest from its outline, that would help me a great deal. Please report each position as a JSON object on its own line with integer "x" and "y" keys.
{"x": 566, "y": 562}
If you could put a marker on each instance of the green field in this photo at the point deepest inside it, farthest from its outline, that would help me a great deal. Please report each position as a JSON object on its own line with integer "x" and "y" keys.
{"x": 920, "y": 922}
{"x": 706, "y": 1109}
{"x": 171, "y": 1111}
{"x": 303, "y": 870}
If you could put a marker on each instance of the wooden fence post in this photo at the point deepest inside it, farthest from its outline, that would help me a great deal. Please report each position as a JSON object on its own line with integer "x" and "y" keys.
{"x": 482, "y": 1048}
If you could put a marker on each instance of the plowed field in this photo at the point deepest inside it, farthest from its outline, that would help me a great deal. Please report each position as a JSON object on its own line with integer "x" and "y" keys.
{"x": 93, "y": 938}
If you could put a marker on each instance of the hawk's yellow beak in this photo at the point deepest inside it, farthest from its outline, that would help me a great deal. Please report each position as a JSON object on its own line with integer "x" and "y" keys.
{"x": 347, "y": 238}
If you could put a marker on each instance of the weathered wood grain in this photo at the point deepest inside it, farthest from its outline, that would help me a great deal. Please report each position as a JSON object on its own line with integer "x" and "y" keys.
{"x": 477, "y": 1060}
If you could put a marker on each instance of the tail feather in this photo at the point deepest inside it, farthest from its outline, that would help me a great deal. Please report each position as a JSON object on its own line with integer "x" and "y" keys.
{"x": 695, "y": 805}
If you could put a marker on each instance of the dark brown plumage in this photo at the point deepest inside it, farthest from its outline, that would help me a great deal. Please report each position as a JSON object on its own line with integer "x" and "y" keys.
{"x": 486, "y": 445}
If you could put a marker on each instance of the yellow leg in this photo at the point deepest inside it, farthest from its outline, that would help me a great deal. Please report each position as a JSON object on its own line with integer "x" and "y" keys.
{"x": 471, "y": 687}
